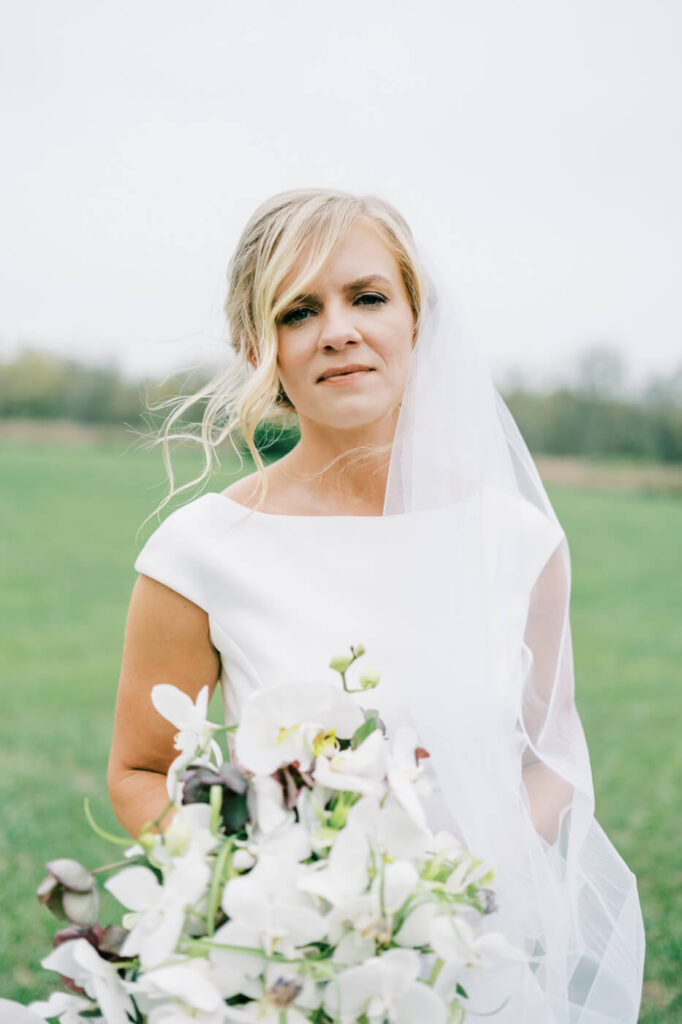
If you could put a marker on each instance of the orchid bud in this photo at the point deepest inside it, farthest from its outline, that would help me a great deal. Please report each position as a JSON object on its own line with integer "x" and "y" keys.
{"x": 487, "y": 900}
{"x": 369, "y": 678}
{"x": 341, "y": 664}
{"x": 148, "y": 837}
{"x": 242, "y": 860}
{"x": 178, "y": 837}
{"x": 70, "y": 892}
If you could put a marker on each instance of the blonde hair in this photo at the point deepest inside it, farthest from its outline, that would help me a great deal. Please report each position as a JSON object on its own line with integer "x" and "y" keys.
{"x": 298, "y": 224}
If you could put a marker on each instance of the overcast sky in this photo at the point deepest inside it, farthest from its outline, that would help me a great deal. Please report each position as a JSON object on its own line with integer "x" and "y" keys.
{"x": 542, "y": 140}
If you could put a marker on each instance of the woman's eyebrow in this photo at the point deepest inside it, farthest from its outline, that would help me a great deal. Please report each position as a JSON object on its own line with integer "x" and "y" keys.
{"x": 352, "y": 286}
{"x": 362, "y": 282}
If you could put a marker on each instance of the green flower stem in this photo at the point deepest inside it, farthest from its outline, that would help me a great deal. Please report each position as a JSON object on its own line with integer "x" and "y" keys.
{"x": 118, "y": 840}
{"x": 431, "y": 980}
{"x": 355, "y": 654}
{"x": 155, "y": 823}
{"x": 216, "y": 802}
{"x": 343, "y": 801}
{"x": 220, "y": 870}
{"x": 382, "y": 894}
{"x": 115, "y": 864}
{"x": 169, "y": 807}
{"x": 337, "y": 989}
{"x": 430, "y": 872}
{"x": 225, "y": 729}
{"x": 252, "y": 951}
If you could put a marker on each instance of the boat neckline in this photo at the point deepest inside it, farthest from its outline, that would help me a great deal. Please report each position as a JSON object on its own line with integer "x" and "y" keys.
{"x": 284, "y": 515}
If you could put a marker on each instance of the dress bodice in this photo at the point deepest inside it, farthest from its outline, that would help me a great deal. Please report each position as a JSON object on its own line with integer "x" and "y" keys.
{"x": 284, "y": 594}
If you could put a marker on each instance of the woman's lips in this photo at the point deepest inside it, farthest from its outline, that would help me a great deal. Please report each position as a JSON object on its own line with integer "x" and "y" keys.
{"x": 343, "y": 378}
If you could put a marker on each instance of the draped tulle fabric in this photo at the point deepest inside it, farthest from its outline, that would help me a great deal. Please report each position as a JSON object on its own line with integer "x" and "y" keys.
{"x": 492, "y": 689}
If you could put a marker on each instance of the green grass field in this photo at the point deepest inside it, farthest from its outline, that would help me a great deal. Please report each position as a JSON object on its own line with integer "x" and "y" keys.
{"x": 69, "y": 516}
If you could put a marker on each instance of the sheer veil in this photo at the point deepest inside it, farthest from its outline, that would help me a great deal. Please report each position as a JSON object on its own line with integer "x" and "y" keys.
{"x": 487, "y": 588}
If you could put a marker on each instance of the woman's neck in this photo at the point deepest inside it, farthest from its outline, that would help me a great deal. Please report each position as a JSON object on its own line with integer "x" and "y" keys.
{"x": 330, "y": 473}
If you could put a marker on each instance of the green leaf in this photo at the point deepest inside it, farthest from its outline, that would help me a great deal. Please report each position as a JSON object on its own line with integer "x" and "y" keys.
{"x": 363, "y": 731}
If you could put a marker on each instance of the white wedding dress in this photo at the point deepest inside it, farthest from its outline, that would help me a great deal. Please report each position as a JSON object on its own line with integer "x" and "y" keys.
{"x": 284, "y": 594}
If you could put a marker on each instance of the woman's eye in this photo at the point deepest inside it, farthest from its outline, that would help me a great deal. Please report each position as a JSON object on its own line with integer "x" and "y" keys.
{"x": 296, "y": 316}
{"x": 302, "y": 313}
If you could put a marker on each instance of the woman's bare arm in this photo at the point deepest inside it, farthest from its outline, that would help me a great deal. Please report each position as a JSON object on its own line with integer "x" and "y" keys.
{"x": 549, "y": 698}
{"x": 167, "y": 640}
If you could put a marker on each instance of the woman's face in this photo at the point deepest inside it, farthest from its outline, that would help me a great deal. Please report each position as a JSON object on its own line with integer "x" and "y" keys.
{"x": 355, "y": 312}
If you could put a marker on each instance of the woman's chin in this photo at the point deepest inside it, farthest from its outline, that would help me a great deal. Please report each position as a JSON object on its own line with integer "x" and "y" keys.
{"x": 356, "y": 420}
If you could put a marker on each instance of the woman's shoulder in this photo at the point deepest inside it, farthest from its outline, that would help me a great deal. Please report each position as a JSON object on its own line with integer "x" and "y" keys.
{"x": 244, "y": 491}
{"x": 188, "y": 530}
{"x": 533, "y": 532}
{"x": 187, "y": 516}
{"x": 180, "y": 551}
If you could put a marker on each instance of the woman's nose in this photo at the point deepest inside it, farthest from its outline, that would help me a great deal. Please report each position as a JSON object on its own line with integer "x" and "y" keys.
{"x": 337, "y": 326}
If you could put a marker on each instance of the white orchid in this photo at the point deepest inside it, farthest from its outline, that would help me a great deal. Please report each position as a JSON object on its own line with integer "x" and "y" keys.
{"x": 406, "y": 776}
{"x": 173, "y": 1013}
{"x": 468, "y": 871}
{"x": 362, "y": 770}
{"x": 344, "y": 873}
{"x": 189, "y": 717}
{"x": 269, "y": 900}
{"x": 78, "y": 960}
{"x": 283, "y": 987}
{"x": 194, "y": 738}
{"x": 290, "y": 841}
{"x": 351, "y": 946}
{"x": 468, "y": 956}
{"x": 390, "y": 830}
{"x": 236, "y": 972}
{"x": 290, "y": 722}
{"x": 385, "y": 988}
{"x": 371, "y": 913}
{"x": 310, "y": 807}
{"x": 185, "y": 990}
{"x": 159, "y": 911}
{"x": 415, "y": 929}
{"x": 266, "y": 804}
{"x": 264, "y": 1012}
{"x": 188, "y": 835}
{"x": 65, "y": 1007}
{"x": 15, "y": 1013}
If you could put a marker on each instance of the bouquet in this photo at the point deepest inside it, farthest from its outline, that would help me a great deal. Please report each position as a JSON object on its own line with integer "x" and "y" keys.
{"x": 297, "y": 880}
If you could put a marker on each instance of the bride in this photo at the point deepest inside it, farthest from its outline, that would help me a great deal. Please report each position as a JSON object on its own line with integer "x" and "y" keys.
{"x": 409, "y": 518}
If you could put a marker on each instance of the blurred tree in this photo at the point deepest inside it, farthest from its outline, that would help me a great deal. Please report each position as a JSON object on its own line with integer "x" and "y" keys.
{"x": 601, "y": 372}
{"x": 593, "y": 418}
{"x": 664, "y": 390}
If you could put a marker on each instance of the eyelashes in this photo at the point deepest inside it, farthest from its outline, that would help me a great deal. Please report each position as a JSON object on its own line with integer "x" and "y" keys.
{"x": 301, "y": 313}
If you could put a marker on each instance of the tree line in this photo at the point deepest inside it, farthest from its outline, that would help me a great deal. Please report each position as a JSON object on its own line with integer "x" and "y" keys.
{"x": 591, "y": 416}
